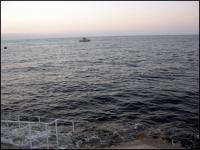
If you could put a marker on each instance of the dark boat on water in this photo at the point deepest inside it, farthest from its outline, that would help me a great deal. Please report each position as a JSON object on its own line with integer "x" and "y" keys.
{"x": 84, "y": 40}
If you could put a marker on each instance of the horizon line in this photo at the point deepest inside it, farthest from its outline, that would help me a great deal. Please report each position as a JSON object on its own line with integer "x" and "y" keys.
{"x": 61, "y": 37}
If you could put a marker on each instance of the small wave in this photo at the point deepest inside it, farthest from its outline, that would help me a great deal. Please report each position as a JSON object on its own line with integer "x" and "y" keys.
{"x": 104, "y": 99}
{"x": 167, "y": 101}
{"x": 132, "y": 107}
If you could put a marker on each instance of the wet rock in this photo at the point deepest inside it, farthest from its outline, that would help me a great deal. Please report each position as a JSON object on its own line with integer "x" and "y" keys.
{"x": 116, "y": 139}
{"x": 167, "y": 139}
{"x": 140, "y": 136}
{"x": 155, "y": 136}
{"x": 94, "y": 140}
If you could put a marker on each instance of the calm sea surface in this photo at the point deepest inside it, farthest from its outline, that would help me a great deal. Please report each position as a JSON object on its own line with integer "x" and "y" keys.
{"x": 122, "y": 85}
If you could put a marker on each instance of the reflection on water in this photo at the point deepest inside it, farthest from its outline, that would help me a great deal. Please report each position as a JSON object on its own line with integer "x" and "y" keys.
{"x": 115, "y": 82}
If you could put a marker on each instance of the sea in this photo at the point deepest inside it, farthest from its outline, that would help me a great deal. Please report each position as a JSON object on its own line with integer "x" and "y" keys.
{"x": 125, "y": 86}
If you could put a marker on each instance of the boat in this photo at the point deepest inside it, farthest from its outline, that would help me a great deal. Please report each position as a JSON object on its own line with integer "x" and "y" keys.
{"x": 5, "y": 47}
{"x": 84, "y": 40}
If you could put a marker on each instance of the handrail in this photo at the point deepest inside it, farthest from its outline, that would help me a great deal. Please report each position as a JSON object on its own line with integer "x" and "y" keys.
{"x": 42, "y": 123}
{"x": 10, "y": 121}
{"x": 39, "y": 118}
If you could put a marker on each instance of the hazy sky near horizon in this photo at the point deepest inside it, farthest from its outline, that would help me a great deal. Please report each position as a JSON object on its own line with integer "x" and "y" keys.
{"x": 100, "y": 17}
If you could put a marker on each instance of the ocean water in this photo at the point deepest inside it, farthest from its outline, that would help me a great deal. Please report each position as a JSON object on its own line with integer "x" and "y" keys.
{"x": 124, "y": 85}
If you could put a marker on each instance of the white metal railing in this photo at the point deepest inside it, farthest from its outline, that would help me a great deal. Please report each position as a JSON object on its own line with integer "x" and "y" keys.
{"x": 29, "y": 124}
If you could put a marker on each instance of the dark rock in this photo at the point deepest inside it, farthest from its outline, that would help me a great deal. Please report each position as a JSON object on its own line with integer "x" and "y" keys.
{"x": 155, "y": 136}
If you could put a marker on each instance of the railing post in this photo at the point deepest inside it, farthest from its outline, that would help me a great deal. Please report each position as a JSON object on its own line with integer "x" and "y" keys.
{"x": 19, "y": 120}
{"x": 72, "y": 126}
{"x": 56, "y": 126}
{"x": 29, "y": 125}
{"x": 46, "y": 126}
{"x": 9, "y": 115}
{"x": 38, "y": 118}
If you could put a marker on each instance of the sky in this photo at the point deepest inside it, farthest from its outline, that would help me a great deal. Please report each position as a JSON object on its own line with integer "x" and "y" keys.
{"x": 98, "y": 18}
